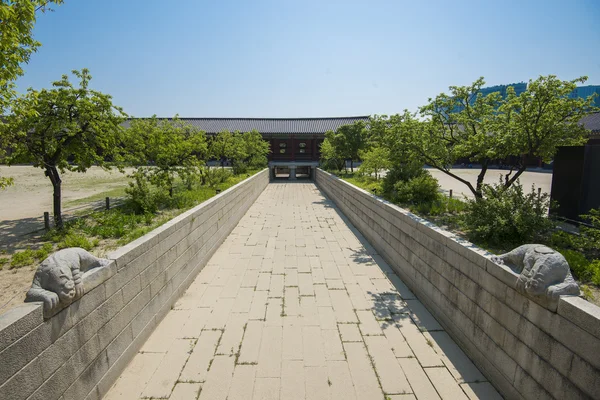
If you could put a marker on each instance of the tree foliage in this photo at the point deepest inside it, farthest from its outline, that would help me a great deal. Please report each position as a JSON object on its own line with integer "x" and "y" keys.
{"x": 330, "y": 158}
{"x": 17, "y": 19}
{"x": 164, "y": 149}
{"x": 242, "y": 149}
{"x": 223, "y": 146}
{"x": 484, "y": 128}
{"x": 347, "y": 142}
{"x": 375, "y": 160}
{"x": 63, "y": 128}
{"x": 256, "y": 148}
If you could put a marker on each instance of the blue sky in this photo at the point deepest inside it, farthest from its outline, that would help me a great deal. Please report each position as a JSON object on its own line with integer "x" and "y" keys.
{"x": 284, "y": 58}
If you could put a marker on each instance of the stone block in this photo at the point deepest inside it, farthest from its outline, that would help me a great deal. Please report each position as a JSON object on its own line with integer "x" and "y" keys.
{"x": 585, "y": 376}
{"x": 87, "y": 304}
{"x": 125, "y": 254}
{"x": 66, "y": 375}
{"x": 131, "y": 289}
{"x": 502, "y": 273}
{"x": 18, "y": 321}
{"x": 88, "y": 379}
{"x": 119, "y": 344}
{"x": 528, "y": 387}
{"x": 97, "y": 276}
{"x": 21, "y": 352}
{"x": 580, "y": 312}
{"x": 22, "y": 384}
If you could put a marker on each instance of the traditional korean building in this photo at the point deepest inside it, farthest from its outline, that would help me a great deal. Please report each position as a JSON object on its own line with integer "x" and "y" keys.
{"x": 295, "y": 142}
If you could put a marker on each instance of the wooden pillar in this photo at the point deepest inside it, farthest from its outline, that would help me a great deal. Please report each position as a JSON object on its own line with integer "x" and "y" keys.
{"x": 314, "y": 149}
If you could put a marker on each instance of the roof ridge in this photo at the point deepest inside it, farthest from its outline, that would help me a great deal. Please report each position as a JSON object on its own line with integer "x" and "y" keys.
{"x": 261, "y": 118}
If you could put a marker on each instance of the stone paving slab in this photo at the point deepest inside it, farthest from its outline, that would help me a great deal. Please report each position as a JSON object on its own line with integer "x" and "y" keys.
{"x": 295, "y": 304}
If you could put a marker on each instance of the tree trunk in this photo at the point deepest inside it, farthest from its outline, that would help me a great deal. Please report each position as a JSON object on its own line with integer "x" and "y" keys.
{"x": 484, "y": 167}
{"x": 52, "y": 173}
{"x": 351, "y": 165}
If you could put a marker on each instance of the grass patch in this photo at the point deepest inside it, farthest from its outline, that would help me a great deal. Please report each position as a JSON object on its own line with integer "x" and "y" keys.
{"x": 112, "y": 193}
{"x": 121, "y": 225}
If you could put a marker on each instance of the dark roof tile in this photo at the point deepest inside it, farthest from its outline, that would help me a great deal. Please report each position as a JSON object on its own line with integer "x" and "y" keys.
{"x": 270, "y": 125}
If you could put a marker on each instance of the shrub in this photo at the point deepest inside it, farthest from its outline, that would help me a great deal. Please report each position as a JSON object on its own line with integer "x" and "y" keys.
{"x": 421, "y": 189}
{"x": 43, "y": 252}
{"x": 75, "y": 240}
{"x": 595, "y": 267}
{"x": 508, "y": 216}
{"x": 240, "y": 167}
{"x": 258, "y": 161}
{"x": 216, "y": 176}
{"x": 579, "y": 264}
{"x": 22, "y": 259}
{"x": 142, "y": 197}
{"x": 398, "y": 173}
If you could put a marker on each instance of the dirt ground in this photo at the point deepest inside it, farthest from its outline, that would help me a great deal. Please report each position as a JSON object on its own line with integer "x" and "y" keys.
{"x": 539, "y": 179}
{"x": 22, "y": 208}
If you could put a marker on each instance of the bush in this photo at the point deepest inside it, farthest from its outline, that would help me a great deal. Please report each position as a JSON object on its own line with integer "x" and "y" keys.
{"x": 418, "y": 190}
{"x": 579, "y": 264}
{"x": 400, "y": 173}
{"x": 43, "y": 252}
{"x": 240, "y": 167}
{"x": 258, "y": 161}
{"x": 508, "y": 216}
{"x": 142, "y": 197}
{"x": 22, "y": 259}
{"x": 75, "y": 240}
{"x": 216, "y": 176}
{"x": 595, "y": 267}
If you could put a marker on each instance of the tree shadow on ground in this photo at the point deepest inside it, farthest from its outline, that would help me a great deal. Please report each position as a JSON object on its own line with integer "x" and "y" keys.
{"x": 21, "y": 233}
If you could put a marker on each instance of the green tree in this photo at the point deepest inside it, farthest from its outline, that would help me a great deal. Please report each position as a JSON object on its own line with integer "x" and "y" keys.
{"x": 17, "y": 19}
{"x": 375, "y": 160}
{"x": 348, "y": 141}
{"x": 460, "y": 125}
{"x": 394, "y": 134}
{"x": 541, "y": 119}
{"x": 330, "y": 157}
{"x": 63, "y": 128}
{"x": 166, "y": 149}
{"x": 223, "y": 146}
{"x": 256, "y": 148}
{"x": 468, "y": 124}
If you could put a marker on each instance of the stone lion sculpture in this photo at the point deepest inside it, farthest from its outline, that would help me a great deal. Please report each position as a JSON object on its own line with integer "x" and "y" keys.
{"x": 58, "y": 280}
{"x": 543, "y": 271}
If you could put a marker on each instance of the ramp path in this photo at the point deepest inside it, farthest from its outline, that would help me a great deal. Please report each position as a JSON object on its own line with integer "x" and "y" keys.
{"x": 295, "y": 304}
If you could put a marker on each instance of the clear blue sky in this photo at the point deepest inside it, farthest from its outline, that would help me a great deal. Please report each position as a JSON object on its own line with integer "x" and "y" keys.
{"x": 284, "y": 58}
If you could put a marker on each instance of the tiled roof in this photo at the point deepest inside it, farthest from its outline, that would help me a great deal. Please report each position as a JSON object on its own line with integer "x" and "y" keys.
{"x": 592, "y": 122}
{"x": 270, "y": 125}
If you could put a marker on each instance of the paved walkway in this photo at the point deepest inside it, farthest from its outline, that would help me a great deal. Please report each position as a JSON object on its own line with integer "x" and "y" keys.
{"x": 297, "y": 305}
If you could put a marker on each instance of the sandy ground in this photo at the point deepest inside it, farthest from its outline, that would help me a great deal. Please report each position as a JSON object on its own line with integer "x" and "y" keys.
{"x": 32, "y": 193}
{"x": 22, "y": 208}
{"x": 539, "y": 179}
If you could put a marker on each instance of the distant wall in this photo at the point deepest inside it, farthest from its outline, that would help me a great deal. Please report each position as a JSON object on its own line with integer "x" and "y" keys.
{"x": 526, "y": 350}
{"x": 80, "y": 352}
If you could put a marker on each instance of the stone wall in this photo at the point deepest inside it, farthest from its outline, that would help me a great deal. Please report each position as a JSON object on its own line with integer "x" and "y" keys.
{"x": 526, "y": 350}
{"x": 79, "y": 353}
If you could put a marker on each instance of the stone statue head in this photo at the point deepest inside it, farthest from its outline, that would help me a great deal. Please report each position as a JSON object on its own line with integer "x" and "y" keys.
{"x": 60, "y": 281}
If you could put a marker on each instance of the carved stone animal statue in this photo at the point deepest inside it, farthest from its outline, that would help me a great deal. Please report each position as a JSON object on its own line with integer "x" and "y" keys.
{"x": 58, "y": 280}
{"x": 543, "y": 271}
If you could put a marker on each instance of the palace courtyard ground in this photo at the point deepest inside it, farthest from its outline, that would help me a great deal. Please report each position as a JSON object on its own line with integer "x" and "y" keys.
{"x": 296, "y": 304}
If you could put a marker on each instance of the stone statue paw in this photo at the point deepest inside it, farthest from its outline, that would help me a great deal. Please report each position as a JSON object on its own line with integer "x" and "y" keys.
{"x": 58, "y": 280}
